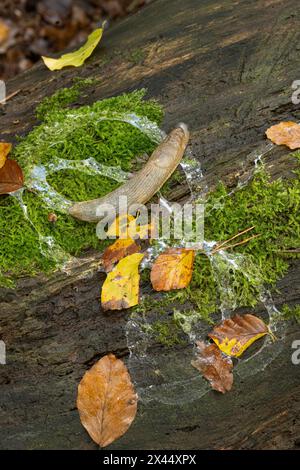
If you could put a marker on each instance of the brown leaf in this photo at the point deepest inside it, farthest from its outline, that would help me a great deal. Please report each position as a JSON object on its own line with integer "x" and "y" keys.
{"x": 214, "y": 366}
{"x": 234, "y": 335}
{"x": 172, "y": 269}
{"x": 285, "y": 133}
{"x": 106, "y": 400}
{"x": 11, "y": 177}
{"x": 118, "y": 250}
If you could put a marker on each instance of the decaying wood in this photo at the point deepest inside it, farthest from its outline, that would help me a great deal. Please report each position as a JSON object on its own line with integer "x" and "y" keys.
{"x": 225, "y": 67}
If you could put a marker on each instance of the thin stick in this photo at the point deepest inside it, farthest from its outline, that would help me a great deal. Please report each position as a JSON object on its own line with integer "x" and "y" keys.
{"x": 10, "y": 96}
{"x": 236, "y": 244}
{"x": 296, "y": 250}
{"x": 235, "y": 236}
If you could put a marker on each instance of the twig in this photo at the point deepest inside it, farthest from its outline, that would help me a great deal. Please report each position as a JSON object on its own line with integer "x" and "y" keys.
{"x": 235, "y": 244}
{"x": 235, "y": 236}
{"x": 10, "y": 96}
{"x": 296, "y": 250}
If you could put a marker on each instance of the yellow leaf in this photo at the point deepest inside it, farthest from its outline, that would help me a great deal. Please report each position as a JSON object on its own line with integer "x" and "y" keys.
{"x": 234, "y": 335}
{"x": 4, "y": 151}
{"x": 143, "y": 232}
{"x": 76, "y": 58}
{"x": 118, "y": 250}
{"x": 121, "y": 287}
{"x": 119, "y": 227}
{"x": 127, "y": 226}
{"x": 172, "y": 269}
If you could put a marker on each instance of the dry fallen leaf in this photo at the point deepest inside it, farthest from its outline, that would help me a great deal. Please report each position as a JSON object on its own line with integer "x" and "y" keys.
{"x": 118, "y": 250}
{"x": 234, "y": 335}
{"x": 106, "y": 400}
{"x": 121, "y": 287}
{"x": 4, "y": 31}
{"x": 214, "y": 366}
{"x": 5, "y": 148}
{"x": 119, "y": 227}
{"x": 172, "y": 269}
{"x": 141, "y": 231}
{"x": 285, "y": 133}
{"x": 11, "y": 177}
{"x": 76, "y": 58}
{"x": 127, "y": 226}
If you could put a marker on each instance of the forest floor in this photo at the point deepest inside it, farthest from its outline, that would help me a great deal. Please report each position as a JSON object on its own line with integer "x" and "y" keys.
{"x": 31, "y": 28}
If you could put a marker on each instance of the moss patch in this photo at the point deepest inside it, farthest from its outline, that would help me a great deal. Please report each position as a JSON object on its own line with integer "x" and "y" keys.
{"x": 290, "y": 313}
{"x": 75, "y": 134}
{"x": 273, "y": 208}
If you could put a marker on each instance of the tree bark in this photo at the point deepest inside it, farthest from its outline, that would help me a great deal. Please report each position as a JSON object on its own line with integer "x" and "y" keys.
{"x": 226, "y": 69}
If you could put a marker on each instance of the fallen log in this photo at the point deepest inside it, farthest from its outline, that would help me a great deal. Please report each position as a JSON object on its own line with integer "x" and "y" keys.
{"x": 226, "y": 69}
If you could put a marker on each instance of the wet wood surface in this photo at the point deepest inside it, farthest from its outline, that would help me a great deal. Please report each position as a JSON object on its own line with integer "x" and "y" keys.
{"x": 226, "y": 69}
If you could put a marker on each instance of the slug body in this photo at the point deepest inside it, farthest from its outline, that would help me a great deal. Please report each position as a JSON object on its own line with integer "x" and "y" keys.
{"x": 146, "y": 182}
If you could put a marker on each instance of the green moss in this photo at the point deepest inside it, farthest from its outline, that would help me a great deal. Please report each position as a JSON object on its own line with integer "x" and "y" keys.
{"x": 137, "y": 56}
{"x": 74, "y": 134}
{"x": 62, "y": 98}
{"x": 166, "y": 332}
{"x": 291, "y": 312}
{"x": 273, "y": 208}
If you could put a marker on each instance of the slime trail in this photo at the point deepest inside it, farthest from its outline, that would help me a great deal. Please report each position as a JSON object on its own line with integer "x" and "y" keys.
{"x": 180, "y": 383}
{"x": 149, "y": 366}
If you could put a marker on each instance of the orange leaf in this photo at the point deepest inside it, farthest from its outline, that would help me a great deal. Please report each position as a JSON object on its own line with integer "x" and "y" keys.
{"x": 11, "y": 177}
{"x": 4, "y": 32}
{"x": 4, "y": 151}
{"x": 118, "y": 250}
{"x": 172, "y": 269}
{"x": 285, "y": 133}
{"x": 214, "y": 366}
{"x": 234, "y": 335}
{"x": 106, "y": 400}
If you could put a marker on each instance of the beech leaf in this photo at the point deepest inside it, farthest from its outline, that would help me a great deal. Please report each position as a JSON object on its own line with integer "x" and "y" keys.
{"x": 119, "y": 227}
{"x": 76, "y": 58}
{"x": 128, "y": 226}
{"x": 4, "y": 151}
{"x": 141, "y": 231}
{"x": 11, "y": 177}
{"x": 172, "y": 269}
{"x": 214, "y": 366}
{"x": 234, "y": 335}
{"x": 118, "y": 250}
{"x": 106, "y": 400}
{"x": 121, "y": 287}
{"x": 285, "y": 133}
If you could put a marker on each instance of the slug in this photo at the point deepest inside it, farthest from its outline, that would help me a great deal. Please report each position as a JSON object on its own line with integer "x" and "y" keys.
{"x": 146, "y": 182}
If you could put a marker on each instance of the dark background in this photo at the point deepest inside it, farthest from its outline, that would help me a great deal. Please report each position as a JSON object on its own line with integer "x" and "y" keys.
{"x": 31, "y": 28}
